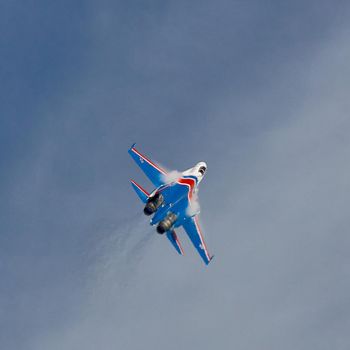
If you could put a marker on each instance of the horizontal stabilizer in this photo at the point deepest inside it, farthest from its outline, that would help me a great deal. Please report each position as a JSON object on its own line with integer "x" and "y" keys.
{"x": 172, "y": 236}
{"x": 141, "y": 192}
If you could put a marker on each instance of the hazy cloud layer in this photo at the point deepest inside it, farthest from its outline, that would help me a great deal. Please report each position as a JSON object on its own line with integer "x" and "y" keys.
{"x": 259, "y": 92}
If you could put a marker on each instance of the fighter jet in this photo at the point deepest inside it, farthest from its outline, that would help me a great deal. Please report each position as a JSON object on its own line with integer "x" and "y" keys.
{"x": 173, "y": 202}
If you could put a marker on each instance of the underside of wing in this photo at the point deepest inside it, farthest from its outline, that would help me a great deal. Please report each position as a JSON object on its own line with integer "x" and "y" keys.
{"x": 172, "y": 236}
{"x": 151, "y": 170}
{"x": 194, "y": 232}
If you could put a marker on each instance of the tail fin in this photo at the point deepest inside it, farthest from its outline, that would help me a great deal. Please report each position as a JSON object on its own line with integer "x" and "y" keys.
{"x": 141, "y": 192}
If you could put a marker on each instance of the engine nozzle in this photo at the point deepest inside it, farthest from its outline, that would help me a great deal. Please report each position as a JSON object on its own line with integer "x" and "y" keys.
{"x": 153, "y": 204}
{"x": 166, "y": 224}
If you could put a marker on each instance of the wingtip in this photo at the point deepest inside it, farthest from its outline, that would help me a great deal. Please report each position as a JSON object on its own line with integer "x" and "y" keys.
{"x": 132, "y": 146}
{"x": 211, "y": 258}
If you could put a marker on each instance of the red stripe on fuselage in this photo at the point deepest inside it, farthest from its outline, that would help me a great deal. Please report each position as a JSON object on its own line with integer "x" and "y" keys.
{"x": 191, "y": 183}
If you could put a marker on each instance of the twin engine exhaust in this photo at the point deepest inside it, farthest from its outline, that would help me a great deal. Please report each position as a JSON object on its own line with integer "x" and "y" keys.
{"x": 166, "y": 224}
{"x": 153, "y": 204}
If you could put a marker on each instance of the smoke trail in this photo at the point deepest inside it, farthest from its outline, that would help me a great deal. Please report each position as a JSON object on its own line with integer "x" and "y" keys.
{"x": 171, "y": 176}
{"x": 119, "y": 252}
{"x": 194, "y": 207}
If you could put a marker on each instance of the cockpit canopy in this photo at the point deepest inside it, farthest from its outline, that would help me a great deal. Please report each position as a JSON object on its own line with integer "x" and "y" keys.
{"x": 202, "y": 169}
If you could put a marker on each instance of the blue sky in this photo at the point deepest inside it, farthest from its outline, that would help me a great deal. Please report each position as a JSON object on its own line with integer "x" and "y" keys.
{"x": 258, "y": 90}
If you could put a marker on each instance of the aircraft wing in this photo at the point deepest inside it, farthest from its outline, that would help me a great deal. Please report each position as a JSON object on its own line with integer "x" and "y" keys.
{"x": 175, "y": 241}
{"x": 194, "y": 232}
{"x": 152, "y": 171}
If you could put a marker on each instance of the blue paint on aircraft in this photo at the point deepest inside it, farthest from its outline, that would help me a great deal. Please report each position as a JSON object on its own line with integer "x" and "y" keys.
{"x": 172, "y": 202}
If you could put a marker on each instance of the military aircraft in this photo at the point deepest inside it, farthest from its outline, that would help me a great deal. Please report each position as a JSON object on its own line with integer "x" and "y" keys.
{"x": 173, "y": 202}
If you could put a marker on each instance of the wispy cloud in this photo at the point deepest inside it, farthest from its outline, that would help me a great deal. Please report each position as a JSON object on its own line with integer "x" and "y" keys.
{"x": 257, "y": 92}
